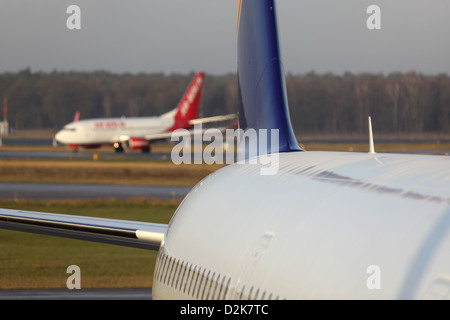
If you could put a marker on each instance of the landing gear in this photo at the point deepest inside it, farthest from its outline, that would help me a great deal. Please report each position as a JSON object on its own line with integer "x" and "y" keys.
{"x": 146, "y": 149}
{"x": 118, "y": 147}
{"x": 74, "y": 148}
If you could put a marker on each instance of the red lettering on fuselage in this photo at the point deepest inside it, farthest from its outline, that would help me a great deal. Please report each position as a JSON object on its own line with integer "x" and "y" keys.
{"x": 109, "y": 124}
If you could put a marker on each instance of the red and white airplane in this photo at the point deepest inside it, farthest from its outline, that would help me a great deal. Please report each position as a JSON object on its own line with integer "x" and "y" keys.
{"x": 137, "y": 132}
{"x": 327, "y": 225}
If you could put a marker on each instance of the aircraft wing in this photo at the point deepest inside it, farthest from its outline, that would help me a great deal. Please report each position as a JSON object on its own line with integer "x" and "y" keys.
{"x": 187, "y": 132}
{"x": 213, "y": 119}
{"x": 168, "y": 135}
{"x": 158, "y": 136}
{"x": 135, "y": 234}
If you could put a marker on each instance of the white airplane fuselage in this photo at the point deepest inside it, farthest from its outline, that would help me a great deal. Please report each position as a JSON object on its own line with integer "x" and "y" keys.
{"x": 110, "y": 130}
{"x": 323, "y": 214}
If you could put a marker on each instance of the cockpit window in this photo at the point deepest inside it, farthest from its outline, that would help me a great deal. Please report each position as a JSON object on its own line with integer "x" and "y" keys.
{"x": 70, "y": 129}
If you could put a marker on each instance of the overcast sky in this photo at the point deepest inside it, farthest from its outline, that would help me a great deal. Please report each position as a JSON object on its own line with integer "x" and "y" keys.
{"x": 190, "y": 35}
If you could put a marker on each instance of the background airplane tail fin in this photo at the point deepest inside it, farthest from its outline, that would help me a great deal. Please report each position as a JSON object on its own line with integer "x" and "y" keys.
{"x": 262, "y": 89}
{"x": 76, "y": 117}
{"x": 187, "y": 108}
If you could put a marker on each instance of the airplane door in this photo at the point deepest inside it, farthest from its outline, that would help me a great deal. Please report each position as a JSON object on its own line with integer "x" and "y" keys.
{"x": 244, "y": 287}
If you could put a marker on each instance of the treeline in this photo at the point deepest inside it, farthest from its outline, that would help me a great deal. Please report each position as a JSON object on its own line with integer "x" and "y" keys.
{"x": 49, "y": 100}
{"x": 400, "y": 103}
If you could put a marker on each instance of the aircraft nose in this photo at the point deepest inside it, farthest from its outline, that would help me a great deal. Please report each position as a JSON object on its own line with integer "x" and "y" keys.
{"x": 59, "y": 137}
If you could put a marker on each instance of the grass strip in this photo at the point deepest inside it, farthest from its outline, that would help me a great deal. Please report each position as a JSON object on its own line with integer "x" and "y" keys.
{"x": 103, "y": 172}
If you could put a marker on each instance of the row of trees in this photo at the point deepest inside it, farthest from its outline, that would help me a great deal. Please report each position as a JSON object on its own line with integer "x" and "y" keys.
{"x": 50, "y": 100}
{"x": 406, "y": 103}
{"x": 398, "y": 103}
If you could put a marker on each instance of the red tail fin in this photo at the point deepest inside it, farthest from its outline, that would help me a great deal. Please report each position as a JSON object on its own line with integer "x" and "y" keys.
{"x": 77, "y": 116}
{"x": 188, "y": 107}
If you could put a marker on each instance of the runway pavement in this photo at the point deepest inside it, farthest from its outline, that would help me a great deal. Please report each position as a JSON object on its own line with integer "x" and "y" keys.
{"x": 7, "y": 154}
{"x": 61, "y": 191}
{"x": 82, "y": 294}
{"x": 55, "y": 191}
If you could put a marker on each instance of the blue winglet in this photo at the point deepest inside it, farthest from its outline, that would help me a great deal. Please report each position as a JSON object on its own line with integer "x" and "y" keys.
{"x": 262, "y": 89}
